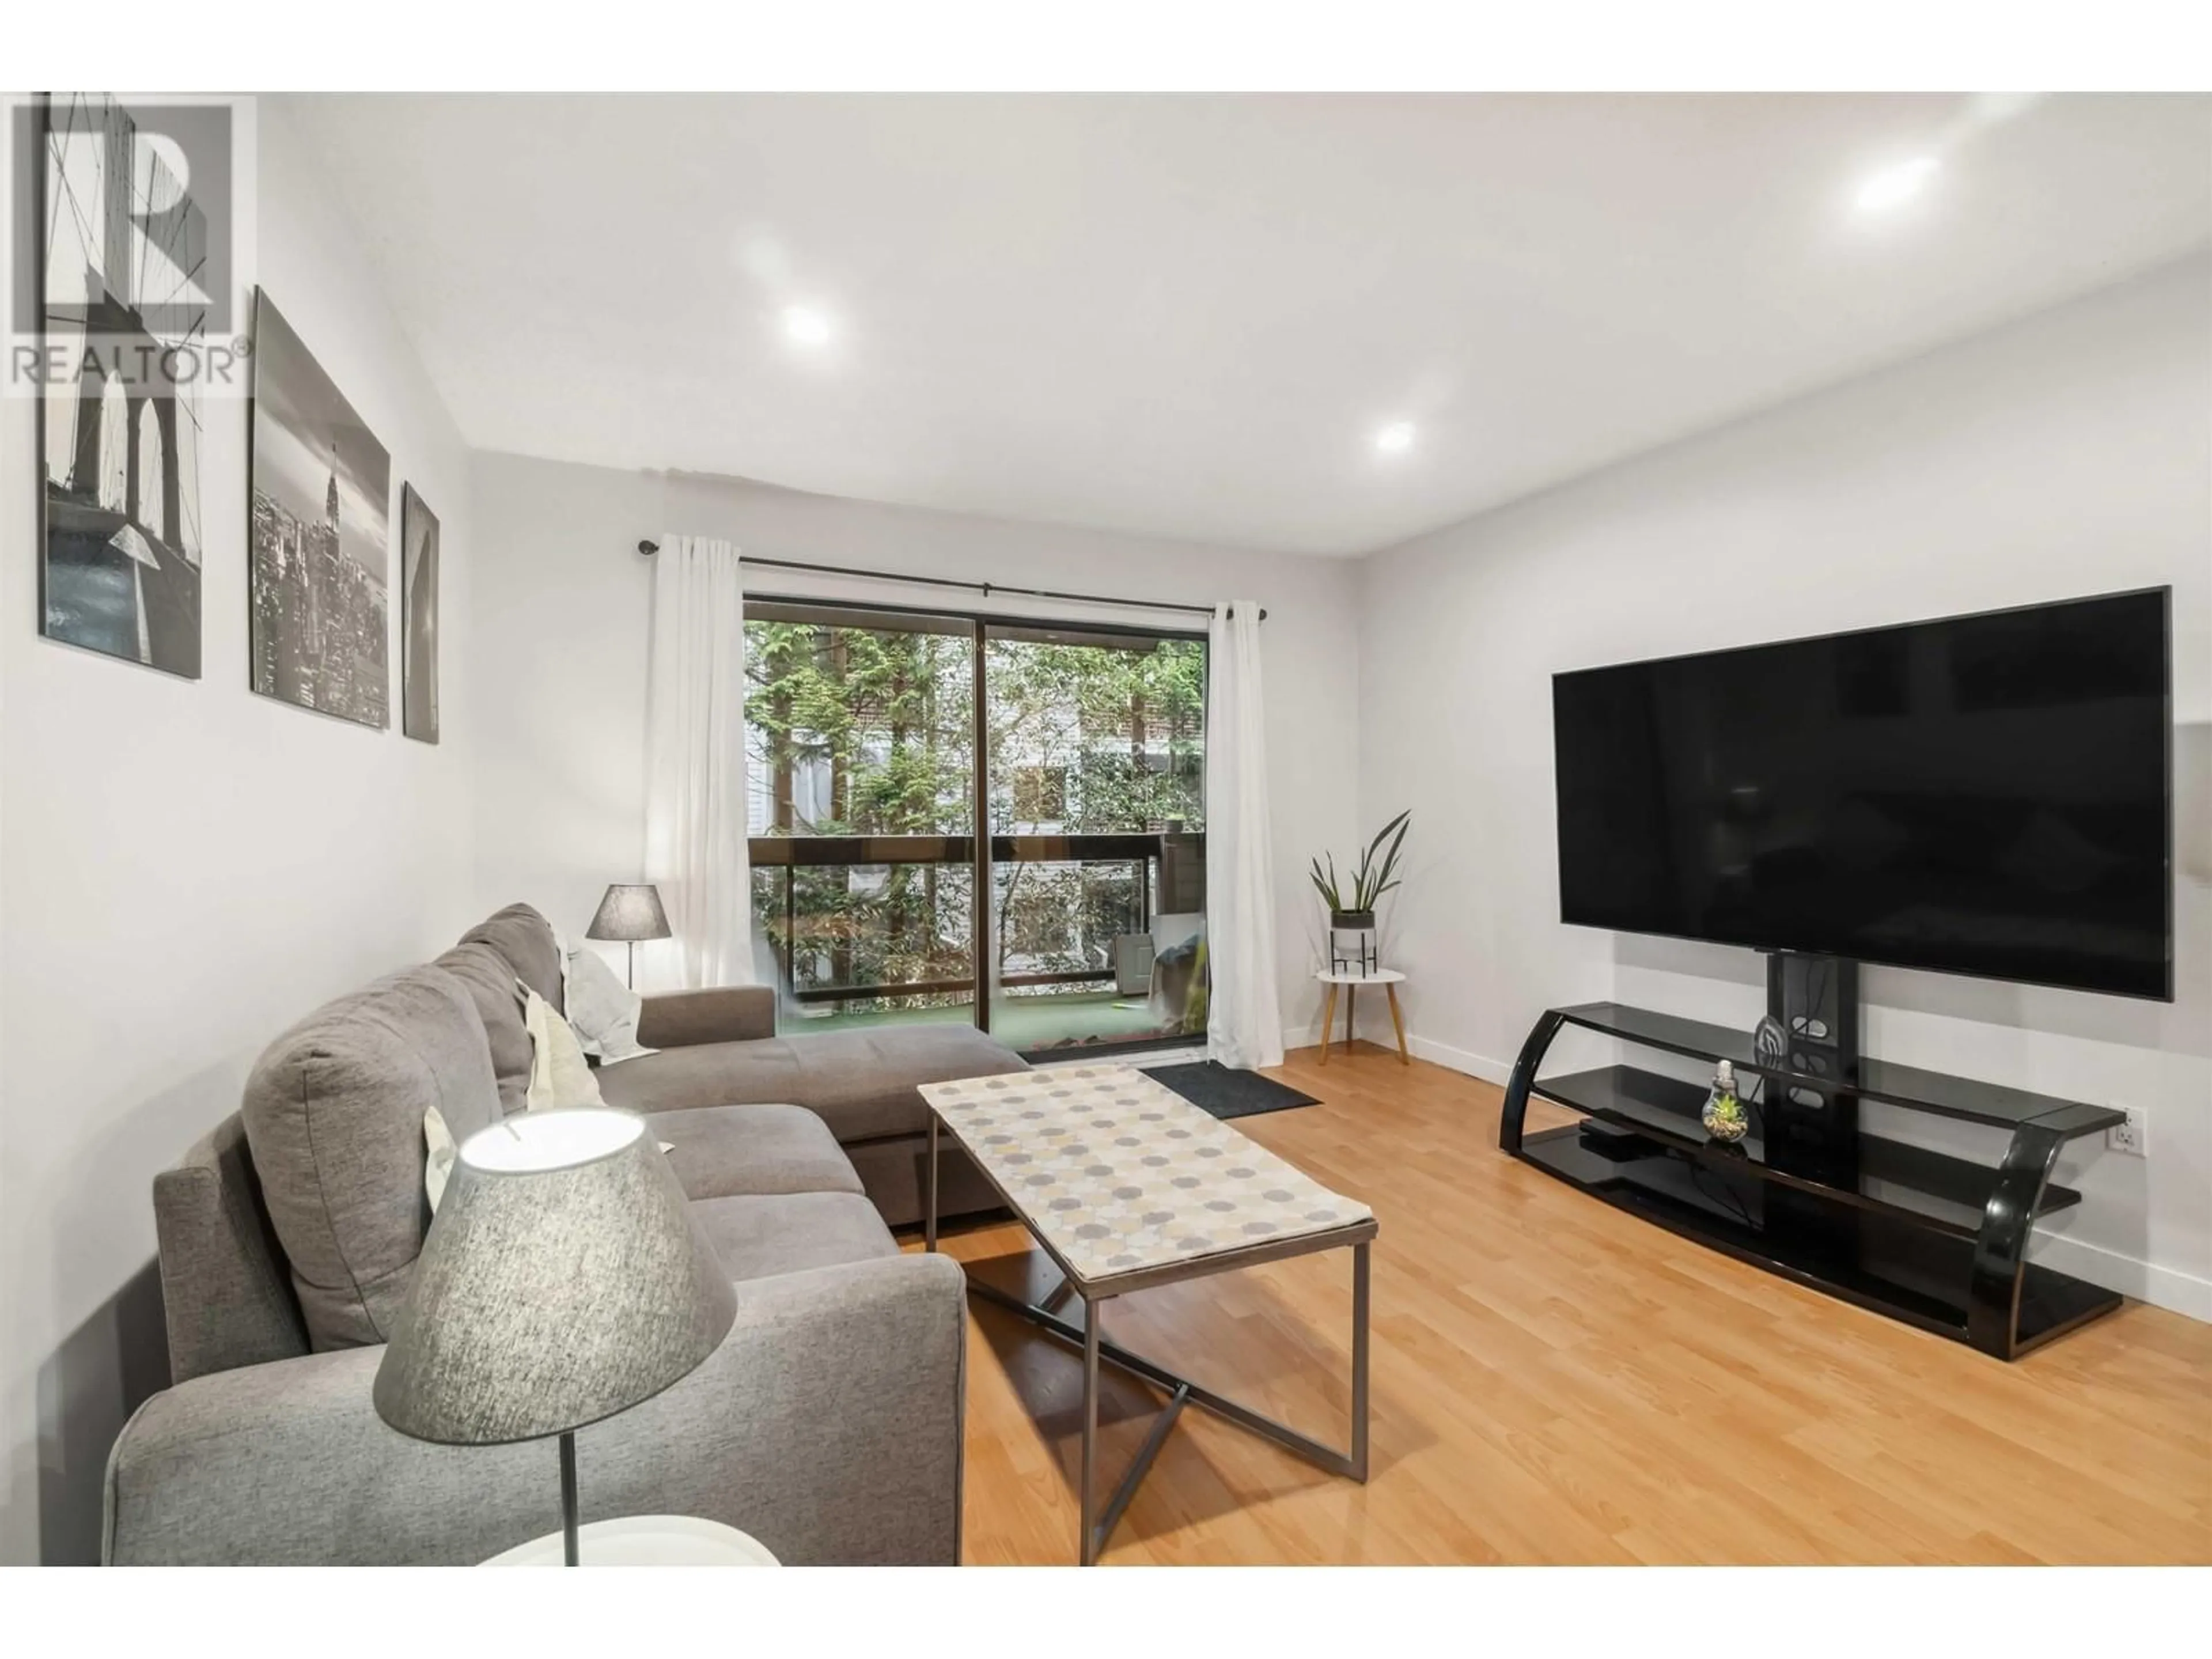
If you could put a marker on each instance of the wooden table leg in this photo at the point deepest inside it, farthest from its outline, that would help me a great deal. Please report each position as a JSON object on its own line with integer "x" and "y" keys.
{"x": 1351, "y": 1014}
{"x": 1328, "y": 1019}
{"x": 1398, "y": 1020}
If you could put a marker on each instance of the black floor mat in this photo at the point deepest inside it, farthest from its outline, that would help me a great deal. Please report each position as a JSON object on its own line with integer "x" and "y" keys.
{"x": 1210, "y": 1084}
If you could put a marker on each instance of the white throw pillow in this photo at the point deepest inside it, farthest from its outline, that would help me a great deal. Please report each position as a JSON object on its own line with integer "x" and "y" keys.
{"x": 438, "y": 1140}
{"x": 559, "y": 1075}
{"x": 604, "y": 1010}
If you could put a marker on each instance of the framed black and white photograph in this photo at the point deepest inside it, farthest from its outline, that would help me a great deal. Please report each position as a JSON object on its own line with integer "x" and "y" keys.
{"x": 418, "y": 616}
{"x": 121, "y": 241}
{"x": 320, "y": 547}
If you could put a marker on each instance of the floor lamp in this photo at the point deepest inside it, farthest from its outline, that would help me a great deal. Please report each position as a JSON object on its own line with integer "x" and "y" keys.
{"x": 631, "y": 912}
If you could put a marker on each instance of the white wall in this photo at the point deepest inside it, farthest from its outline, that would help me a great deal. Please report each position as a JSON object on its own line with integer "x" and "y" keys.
{"x": 560, "y": 620}
{"x": 2067, "y": 454}
{"x": 189, "y": 868}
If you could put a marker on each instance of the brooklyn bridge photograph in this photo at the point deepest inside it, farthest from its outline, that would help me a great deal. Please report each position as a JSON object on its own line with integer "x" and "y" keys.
{"x": 121, "y": 456}
{"x": 321, "y": 536}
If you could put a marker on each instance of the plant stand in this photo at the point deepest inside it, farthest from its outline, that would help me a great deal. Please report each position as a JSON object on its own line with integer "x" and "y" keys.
{"x": 1389, "y": 978}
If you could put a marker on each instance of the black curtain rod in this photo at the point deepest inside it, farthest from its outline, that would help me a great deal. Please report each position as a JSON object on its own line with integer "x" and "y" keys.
{"x": 985, "y": 588}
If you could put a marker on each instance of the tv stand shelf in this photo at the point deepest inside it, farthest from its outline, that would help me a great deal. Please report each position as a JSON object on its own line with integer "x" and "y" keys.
{"x": 1879, "y": 1080}
{"x": 1936, "y": 1240}
{"x": 1951, "y": 1194}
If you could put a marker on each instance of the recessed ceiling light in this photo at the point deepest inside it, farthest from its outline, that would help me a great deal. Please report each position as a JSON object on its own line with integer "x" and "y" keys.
{"x": 806, "y": 325}
{"x": 1893, "y": 186}
{"x": 1398, "y": 436}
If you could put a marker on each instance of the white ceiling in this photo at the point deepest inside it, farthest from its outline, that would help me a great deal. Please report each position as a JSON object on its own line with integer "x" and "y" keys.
{"x": 1187, "y": 316}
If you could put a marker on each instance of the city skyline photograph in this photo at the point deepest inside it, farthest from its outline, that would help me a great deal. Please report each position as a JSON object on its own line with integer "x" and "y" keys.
{"x": 321, "y": 542}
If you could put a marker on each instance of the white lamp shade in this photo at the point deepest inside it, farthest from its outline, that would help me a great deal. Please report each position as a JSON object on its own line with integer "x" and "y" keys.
{"x": 564, "y": 1279}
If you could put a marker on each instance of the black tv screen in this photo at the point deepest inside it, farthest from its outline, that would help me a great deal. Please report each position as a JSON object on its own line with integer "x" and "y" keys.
{"x": 1987, "y": 794}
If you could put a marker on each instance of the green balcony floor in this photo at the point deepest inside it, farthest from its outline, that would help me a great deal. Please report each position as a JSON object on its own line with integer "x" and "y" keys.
{"x": 1029, "y": 1024}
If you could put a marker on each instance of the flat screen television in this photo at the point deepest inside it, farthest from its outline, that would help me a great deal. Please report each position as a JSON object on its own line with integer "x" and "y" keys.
{"x": 1989, "y": 794}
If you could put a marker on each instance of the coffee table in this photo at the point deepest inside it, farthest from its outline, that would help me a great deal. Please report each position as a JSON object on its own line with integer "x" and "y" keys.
{"x": 1127, "y": 1186}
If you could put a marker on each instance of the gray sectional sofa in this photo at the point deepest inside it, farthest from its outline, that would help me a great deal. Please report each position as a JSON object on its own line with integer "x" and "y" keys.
{"x": 827, "y": 1425}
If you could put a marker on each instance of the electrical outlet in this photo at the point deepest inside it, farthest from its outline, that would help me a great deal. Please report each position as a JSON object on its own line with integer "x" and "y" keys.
{"x": 2132, "y": 1137}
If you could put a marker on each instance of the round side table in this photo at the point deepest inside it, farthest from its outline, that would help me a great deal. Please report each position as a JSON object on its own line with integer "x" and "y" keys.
{"x": 644, "y": 1540}
{"x": 1389, "y": 978}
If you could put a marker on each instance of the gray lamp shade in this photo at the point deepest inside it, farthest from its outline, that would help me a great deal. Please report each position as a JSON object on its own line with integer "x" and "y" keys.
{"x": 563, "y": 1279}
{"x": 631, "y": 912}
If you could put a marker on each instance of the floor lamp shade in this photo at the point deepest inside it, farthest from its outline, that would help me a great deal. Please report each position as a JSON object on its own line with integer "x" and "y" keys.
{"x": 631, "y": 912}
{"x": 563, "y": 1279}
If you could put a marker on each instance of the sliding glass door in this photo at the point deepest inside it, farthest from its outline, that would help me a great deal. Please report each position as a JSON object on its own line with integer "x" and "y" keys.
{"x": 860, "y": 759}
{"x": 1096, "y": 764}
{"x": 877, "y": 739}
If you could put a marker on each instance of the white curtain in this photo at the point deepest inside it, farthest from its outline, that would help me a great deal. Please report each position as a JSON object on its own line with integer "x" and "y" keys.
{"x": 696, "y": 796}
{"x": 1244, "y": 1023}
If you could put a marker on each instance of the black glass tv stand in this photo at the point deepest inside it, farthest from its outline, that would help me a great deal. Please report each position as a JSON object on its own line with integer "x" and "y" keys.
{"x": 1936, "y": 1241}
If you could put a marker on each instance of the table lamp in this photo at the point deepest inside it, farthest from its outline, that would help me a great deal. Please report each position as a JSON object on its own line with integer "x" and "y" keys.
{"x": 563, "y": 1279}
{"x": 631, "y": 912}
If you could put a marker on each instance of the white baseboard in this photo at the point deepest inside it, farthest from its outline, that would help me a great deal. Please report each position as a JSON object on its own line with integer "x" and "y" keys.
{"x": 2147, "y": 1281}
{"x": 1443, "y": 1053}
{"x": 1460, "y": 1059}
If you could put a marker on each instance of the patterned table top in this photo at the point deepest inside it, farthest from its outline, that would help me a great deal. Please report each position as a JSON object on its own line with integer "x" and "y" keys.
{"x": 1118, "y": 1173}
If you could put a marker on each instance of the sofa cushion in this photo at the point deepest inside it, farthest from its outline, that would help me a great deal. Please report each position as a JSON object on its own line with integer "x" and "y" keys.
{"x": 719, "y": 1151}
{"x": 333, "y": 1113}
{"x": 894, "y": 1171}
{"x": 759, "y": 1236}
{"x": 861, "y": 1083}
{"x": 720, "y": 1013}
{"x": 524, "y": 940}
{"x": 493, "y": 985}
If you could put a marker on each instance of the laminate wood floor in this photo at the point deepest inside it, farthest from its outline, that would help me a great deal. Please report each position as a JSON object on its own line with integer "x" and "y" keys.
{"x": 1556, "y": 1381}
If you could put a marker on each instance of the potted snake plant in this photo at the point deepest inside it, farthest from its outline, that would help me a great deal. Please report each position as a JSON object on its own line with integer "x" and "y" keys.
{"x": 1352, "y": 910}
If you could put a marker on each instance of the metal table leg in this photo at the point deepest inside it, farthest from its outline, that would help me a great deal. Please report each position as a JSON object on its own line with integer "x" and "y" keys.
{"x": 1182, "y": 1391}
{"x": 1090, "y": 1538}
{"x": 1360, "y": 1308}
{"x": 929, "y": 1213}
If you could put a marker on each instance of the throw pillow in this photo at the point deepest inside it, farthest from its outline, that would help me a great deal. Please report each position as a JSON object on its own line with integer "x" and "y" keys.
{"x": 333, "y": 1113}
{"x": 604, "y": 1010}
{"x": 560, "y": 1075}
{"x": 498, "y": 996}
{"x": 438, "y": 1142}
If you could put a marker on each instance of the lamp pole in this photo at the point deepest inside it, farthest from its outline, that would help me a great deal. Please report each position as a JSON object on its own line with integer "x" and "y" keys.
{"x": 568, "y": 1497}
